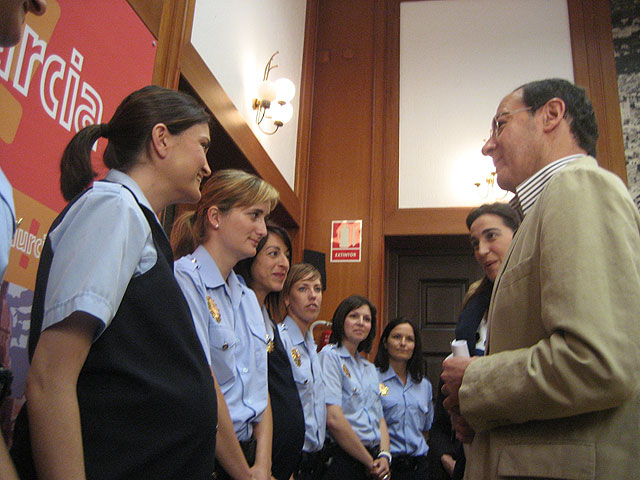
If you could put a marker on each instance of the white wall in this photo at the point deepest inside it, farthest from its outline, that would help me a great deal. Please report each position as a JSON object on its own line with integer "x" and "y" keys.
{"x": 236, "y": 38}
{"x": 458, "y": 59}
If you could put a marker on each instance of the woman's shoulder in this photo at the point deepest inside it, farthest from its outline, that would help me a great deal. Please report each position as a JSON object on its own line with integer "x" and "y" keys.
{"x": 186, "y": 264}
{"x": 329, "y": 354}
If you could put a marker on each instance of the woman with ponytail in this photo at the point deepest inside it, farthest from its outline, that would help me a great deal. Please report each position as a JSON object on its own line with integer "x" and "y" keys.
{"x": 226, "y": 227}
{"x": 119, "y": 387}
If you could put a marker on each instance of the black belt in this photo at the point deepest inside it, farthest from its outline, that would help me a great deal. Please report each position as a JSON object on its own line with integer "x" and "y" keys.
{"x": 373, "y": 451}
{"x": 312, "y": 461}
{"x": 407, "y": 463}
{"x": 248, "y": 449}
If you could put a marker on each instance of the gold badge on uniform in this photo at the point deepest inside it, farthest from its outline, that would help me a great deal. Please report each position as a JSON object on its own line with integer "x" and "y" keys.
{"x": 384, "y": 390}
{"x": 213, "y": 308}
{"x": 295, "y": 354}
{"x": 346, "y": 371}
{"x": 270, "y": 345}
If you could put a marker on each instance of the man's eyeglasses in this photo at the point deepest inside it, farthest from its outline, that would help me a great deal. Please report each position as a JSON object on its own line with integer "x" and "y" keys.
{"x": 496, "y": 124}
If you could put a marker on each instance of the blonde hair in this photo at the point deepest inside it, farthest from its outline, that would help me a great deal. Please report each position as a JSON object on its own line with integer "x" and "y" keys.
{"x": 225, "y": 189}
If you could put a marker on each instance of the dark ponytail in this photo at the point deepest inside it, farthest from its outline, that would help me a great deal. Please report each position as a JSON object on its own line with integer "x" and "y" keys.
{"x": 76, "y": 171}
{"x": 128, "y": 132}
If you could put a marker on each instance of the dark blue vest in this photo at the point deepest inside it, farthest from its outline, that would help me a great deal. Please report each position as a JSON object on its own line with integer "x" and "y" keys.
{"x": 147, "y": 400}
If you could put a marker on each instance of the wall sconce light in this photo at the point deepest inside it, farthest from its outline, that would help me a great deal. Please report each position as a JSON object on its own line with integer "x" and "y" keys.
{"x": 274, "y": 99}
{"x": 490, "y": 189}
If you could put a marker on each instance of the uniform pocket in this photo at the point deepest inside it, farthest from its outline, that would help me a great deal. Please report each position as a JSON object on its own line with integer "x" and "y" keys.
{"x": 223, "y": 350}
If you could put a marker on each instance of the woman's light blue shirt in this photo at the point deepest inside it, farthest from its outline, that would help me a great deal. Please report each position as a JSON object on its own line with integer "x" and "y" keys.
{"x": 103, "y": 241}
{"x": 236, "y": 345}
{"x": 307, "y": 375}
{"x": 352, "y": 384}
{"x": 408, "y": 411}
{"x": 7, "y": 222}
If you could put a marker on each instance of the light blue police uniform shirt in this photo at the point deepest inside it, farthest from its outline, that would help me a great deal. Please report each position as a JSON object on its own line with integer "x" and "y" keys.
{"x": 307, "y": 374}
{"x": 236, "y": 346}
{"x": 103, "y": 241}
{"x": 7, "y": 222}
{"x": 408, "y": 411}
{"x": 352, "y": 384}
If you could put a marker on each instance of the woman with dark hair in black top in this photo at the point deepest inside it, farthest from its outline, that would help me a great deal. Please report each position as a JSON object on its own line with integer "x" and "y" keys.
{"x": 119, "y": 386}
{"x": 265, "y": 274}
{"x": 491, "y": 229}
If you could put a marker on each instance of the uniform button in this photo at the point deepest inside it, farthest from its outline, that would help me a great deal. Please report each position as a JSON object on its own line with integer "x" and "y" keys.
{"x": 225, "y": 346}
{"x": 245, "y": 370}
{"x": 249, "y": 402}
{"x": 355, "y": 389}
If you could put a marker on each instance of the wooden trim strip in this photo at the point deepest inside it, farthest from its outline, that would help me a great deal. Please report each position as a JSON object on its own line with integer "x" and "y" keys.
{"x": 197, "y": 74}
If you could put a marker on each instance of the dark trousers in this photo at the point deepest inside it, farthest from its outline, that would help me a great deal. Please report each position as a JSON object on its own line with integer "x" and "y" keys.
{"x": 343, "y": 466}
{"x": 249, "y": 451}
{"x": 407, "y": 467}
{"x": 312, "y": 466}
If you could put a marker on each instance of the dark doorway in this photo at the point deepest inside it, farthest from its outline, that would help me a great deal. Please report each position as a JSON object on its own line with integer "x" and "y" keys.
{"x": 428, "y": 278}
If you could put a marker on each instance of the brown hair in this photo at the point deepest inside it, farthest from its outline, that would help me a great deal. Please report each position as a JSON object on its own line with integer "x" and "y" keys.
{"x": 225, "y": 189}
{"x": 128, "y": 132}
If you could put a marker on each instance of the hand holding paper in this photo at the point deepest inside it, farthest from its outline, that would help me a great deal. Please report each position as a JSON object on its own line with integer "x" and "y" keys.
{"x": 459, "y": 348}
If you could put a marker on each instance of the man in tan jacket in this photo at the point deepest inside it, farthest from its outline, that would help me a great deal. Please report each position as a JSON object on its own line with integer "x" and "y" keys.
{"x": 558, "y": 395}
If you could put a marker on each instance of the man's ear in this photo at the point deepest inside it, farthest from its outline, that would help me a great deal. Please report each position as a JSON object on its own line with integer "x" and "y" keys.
{"x": 160, "y": 139}
{"x": 554, "y": 111}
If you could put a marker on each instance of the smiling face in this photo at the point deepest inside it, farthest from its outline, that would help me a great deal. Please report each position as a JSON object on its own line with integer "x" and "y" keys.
{"x": 490, "y": 239}
{"x": 269, "y": 268}
{"x": 239, "y": 230}
{"x": 357, "y": 325}
{"x": 304, "y": 300}
{"x": 187, "y": 164}
{"x": 401, "y": 343}
{"x": 12, "y": 14}
{"x": 514, "y": 145}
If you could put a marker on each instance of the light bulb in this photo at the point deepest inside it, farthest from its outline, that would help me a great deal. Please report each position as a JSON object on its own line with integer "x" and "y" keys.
{"x": 282, "y": 113}
{"x": 285, "y": 89}
{"x": 267, "y": 91}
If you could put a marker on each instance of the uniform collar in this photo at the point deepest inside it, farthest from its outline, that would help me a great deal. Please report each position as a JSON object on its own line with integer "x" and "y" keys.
{"x": 391, "y": 373}
{"x": 116, "y": 176}
{"x": 295, "y": 334}
{"x": 210, "y": 273}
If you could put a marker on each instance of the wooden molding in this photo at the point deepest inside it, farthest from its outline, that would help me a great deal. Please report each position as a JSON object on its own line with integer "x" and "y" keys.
{"x": 205, "y": 85}
{"x": 150, "y": 12}
{"x": 174, "y": 33}
{"x": 178, "y": 56}
{"x": 595, "y": 69}
{"x": 303, "y": 144}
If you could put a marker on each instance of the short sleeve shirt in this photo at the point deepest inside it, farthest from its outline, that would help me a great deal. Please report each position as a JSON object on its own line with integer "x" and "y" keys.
{"x": 307, "y": 375}
{"x": 7, "y": 222}
{"x": 408, "y": 411}
{"x": 103, "y": 241}
{"x": 352, "y": 384}
{"x": 231, "y": 329}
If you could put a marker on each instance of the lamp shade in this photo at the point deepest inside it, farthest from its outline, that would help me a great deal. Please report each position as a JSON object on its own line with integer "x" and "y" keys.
{"x": 281, "y": 113}
{"x": 285, "y": 89}
{"x": 267, "y": 91}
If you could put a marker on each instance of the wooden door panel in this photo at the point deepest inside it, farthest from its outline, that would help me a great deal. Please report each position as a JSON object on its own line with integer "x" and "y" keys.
{"x": 427, "y": 286}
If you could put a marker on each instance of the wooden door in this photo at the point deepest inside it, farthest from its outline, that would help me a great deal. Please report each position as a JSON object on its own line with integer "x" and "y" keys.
{"x": 428, "y": 278}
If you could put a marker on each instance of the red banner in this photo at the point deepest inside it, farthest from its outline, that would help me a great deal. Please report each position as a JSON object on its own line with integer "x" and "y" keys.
{"x": 72, "y": 68}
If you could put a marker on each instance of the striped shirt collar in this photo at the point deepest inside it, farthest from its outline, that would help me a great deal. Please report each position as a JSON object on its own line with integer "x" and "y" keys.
{"x": 528, "y": 191}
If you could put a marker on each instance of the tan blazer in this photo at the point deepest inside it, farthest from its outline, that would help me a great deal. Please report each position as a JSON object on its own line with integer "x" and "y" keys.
{"x": 558, "y": 396}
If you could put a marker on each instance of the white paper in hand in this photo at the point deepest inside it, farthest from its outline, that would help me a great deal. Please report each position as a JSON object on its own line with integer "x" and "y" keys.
{"x": 459, "y": 348}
